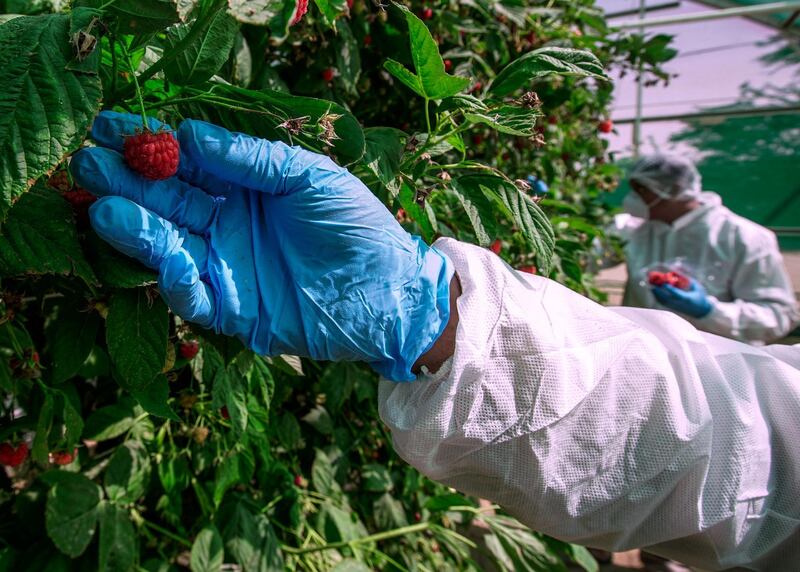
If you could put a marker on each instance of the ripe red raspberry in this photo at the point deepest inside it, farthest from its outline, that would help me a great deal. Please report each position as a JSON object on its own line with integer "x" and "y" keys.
{"x": 224, "y": 412}
{"x": 529, "y": 269}
{"x": 300, "y": 11}
{"x": 11, "y": 456}
{"x": 477, "y": 87}
{"x": 367, "y": 40}
{"x": 605, "y": 126}
{"x": 299, "y": 481}
{"x": 448, "y": 65}
{"x": 477, "y": 139}
{"x": 496, "y": 246}
{"x": 427, "y": 13}
{"x": 153, "y": 155}
{"x": 79, "y": 198}
{"x": 349, "y": 4}
{"x": 63, "y": 457}
{"x": 417, "y": 517}
{"x": 327, "y": 74}
{"x": 188, "y": 349}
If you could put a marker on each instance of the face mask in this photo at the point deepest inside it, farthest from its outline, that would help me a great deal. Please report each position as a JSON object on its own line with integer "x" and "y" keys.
{"x": 634, "y": 205}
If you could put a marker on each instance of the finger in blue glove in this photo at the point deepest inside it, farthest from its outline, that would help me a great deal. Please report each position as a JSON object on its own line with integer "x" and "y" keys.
{"x": 693, "y": 302}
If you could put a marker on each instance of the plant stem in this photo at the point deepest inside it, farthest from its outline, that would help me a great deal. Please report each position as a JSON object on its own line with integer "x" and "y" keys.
{"x": 166, "y": 533}
{"x": 136, "y": 85}
{"x": 428, "y": 116}
{"x": 411, "y": 529}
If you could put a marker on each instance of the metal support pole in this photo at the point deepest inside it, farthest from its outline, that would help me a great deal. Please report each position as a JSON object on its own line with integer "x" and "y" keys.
{"x": 641, "y": 22}
{"x": 637, "y": 124}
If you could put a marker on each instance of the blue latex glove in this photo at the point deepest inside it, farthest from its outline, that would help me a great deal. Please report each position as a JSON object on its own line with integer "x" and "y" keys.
{"x": 693, "y": 302}
{"x": 538, "y": 186}
{"x": 273, "y": 244}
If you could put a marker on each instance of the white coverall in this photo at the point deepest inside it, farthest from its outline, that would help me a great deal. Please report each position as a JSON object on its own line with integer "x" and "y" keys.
{"x": 615, "y": 428}
{"x": 737, "y": 261}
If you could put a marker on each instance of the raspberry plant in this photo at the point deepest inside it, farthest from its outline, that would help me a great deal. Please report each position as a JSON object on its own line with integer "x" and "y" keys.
{"x": 133, "y": 441}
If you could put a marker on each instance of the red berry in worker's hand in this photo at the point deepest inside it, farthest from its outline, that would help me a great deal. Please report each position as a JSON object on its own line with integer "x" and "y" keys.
{"x": 448, "y": 65}
{"x": 63, "y": 457}
{"x": 656, "y": 278}
{"x": 300, "y": 11}
{"x": 496, "y": 246}
{"x": 678, "y": 280}
{"x": 327, "y": 74}
{"x": 188, "y": 349}
{"x": 605, "y": 126}
{"x": 529, "y": 269}
{"x": 11, "y": 456}
{"x": 427, "y": 13}
{"x": 153, "y": 155}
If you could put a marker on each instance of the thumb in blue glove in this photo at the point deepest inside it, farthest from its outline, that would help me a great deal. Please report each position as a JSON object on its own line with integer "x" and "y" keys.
{"x": 693, "y": 302}
{"x": 273, "y": 244}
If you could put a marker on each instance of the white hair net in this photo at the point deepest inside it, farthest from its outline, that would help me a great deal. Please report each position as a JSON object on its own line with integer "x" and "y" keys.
{"x": 667, "y": 176}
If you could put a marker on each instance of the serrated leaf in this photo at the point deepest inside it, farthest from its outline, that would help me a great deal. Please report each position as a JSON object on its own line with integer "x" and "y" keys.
{"x": 542, "y": 62}
{"x": 110, "y": 421}
{"x": 40, "y": 449}
{"x": 384, "y": 149}
{"x": 206, "y": 53}
{"x": 154, "y": 398}
{"x": 229, "y": 390}
{"x": 322, "y": 476}
{"x": 71, "y": 513}
{"x": 234, "y": 469}
{"x": 289, "y": 433}
{"x": 261, "y": 382}
{"x": 115, "y": 270}
{"x": 73, "y": 421}
{"x": 279, "y": 106}
{"x": 348, "y": 57}
{"x": 409, "y": 79}
{"x": 136, "y": 334}
{"x": 509, "y": 119}
{"x": 338, "y": 525}
{"x": 376, "y": 478}
{"x": 32, "y": 243}
{"x": 331, "y": 10}
{"x": 128, "y": 472}
{"x": 250, "y": 539}
{"x": 407, "y": 199}
{"x": 207, "y": 551}
{"x": 117, "y": 551}
{"x": 45, "y": 109}
{"x": 388, "y": 512}
{"x": 434, "y": 81}
{"x": 141, "y": 16}
{"x": 73, "y": 335}
{"x": 480, "y": 211}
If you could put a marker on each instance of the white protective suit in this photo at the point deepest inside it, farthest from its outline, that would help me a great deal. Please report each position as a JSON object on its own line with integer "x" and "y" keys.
{"x": 614, "y": 428}
{"x": 737, "y": 261}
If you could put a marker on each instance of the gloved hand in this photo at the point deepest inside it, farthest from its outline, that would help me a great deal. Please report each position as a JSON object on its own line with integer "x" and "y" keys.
{"x": 693, "y": 302}
{"x": 273, "y": 244}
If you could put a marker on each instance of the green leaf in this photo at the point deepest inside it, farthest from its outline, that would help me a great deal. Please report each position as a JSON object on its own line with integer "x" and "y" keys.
{"x": 261, "y": 382}
{"x": 114, "y": 269}
{"x": 73, "y": 335}
{"x": 40, "y": 451}
{"x": 322, "y": 476}
{"x": 250, "y": 539}
{"x": 510, "y": 119}
{"x": 269, "y": 108}
{"x": 154, "y": 398}
{"x": 526, "y": 214}
{"x": 173, "y": 472}
{"x": 338, "y": 525}
{"x": 446, "y": 501}
{"x": 289, "y": 432}
{"x": 480, "y": 210}
{"x": 583, "y": 558}
{"x": 141, "y": 16}
{"x": 229, "y": 390}
{"x": 348, "y": 57}
{"x": 71, "y": 513}
{"x": 234, "y": 469}
{"x": 408, "y": 78}
{"x": 31, "y": 243}
{"x": 136, "y": 334}
{"x": 376, "y": 478}
{"x": 331, "y": 10}
{"x": 73, "y": 421}
{"x": 319, "y": 419}
{"x": 350, "y": 565}
{"x": 407, "y": 198}
{"x": 45, "y": 109}
{"x": 435, "y": 83}
{"x": 118, "y": 551}
{"x": 543, "y": 62}
{"x": 208, "y": 553}
{"x": 384, "y": 149}
{"x": 277, "y": 14}
{"x": 388, "y": 512}
{"x": 205, "y": 55}
{"x": 110, "y": 421}
{"x": 128, "y": 473}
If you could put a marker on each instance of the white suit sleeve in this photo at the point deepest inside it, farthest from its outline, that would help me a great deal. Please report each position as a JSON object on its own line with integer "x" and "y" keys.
{"x": 611, "y": 428}
{"x": 763, "y": 306}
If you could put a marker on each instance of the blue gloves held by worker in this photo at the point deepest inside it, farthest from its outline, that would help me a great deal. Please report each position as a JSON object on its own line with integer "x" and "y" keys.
{"x": 693, "y": 302}
{"x": 273, "y": 244}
